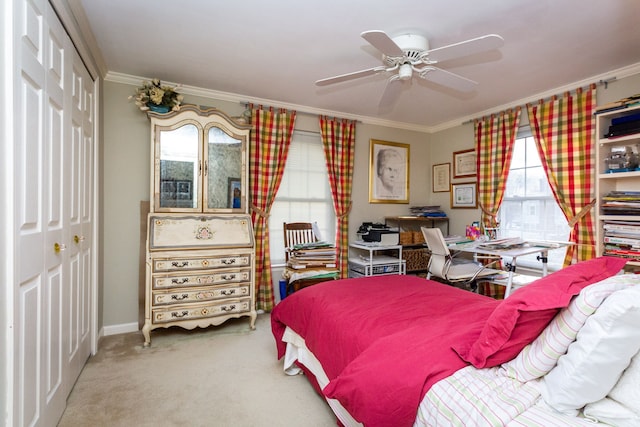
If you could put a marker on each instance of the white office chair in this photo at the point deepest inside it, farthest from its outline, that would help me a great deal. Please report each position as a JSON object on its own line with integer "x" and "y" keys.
{"x": 443, "y": 265}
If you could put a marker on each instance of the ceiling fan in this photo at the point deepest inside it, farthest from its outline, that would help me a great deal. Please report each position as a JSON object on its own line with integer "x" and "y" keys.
{"x": 408, "y": 55}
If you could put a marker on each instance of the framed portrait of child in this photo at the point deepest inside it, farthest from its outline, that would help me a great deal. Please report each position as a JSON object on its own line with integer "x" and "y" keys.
{"x": 388, "y": 172}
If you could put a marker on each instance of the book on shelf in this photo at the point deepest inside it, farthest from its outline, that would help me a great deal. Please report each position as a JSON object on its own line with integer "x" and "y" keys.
{"x": 620, "y": 104}
{"x": 634, "y": 243}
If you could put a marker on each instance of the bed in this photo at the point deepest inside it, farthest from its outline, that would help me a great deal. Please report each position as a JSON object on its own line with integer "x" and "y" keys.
{"x": 402, "y": 350}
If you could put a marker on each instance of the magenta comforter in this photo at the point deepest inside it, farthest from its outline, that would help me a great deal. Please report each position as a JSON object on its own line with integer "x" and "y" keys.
{"x": 383, "y": 341}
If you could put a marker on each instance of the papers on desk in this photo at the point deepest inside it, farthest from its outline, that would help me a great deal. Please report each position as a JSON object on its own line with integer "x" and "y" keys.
{"x": 456, "y": 240}
{"x": 507, "y": 243}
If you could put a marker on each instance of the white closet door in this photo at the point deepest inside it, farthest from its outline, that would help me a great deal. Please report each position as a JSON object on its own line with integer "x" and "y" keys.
{"x": 80, "y": 217}
{"x": 52, "y": 294}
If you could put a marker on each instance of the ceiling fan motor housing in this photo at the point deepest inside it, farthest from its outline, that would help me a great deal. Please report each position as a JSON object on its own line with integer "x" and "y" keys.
{"x": 413, "y": 46}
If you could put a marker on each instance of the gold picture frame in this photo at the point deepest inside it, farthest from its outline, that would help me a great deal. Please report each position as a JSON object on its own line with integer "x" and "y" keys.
{"x": 441, "y": 178}
{"x": 464, "y": 163}
{"x": 388, "y": 172}
{"x": 464, "y": 195}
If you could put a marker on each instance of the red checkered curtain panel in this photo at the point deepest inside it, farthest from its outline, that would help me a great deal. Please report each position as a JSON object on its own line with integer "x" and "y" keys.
{"x": 564, "y": 133}
{"x": 494, "y": 137}
{"x": 270, "y": 140}
{"x": 338, "y": 139}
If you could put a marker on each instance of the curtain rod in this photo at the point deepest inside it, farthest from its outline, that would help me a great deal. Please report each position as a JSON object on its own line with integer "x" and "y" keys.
{"x": 302, "y": 110}
{"x": 602, "y": 82}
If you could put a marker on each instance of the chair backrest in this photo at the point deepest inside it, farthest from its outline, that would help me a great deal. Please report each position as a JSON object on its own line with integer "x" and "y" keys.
{"x": 296, "y": 233}
{"x": 440, "y": 255}
{"x": 435, "y": 241}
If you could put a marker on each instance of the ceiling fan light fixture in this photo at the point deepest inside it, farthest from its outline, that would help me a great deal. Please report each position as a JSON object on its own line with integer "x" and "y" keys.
{"x": 405, "y": 72}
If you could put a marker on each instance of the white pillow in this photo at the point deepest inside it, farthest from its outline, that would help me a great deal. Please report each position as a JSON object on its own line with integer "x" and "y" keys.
{"x": 611, "y": 412}
{"x": 622, "y": 406}
{"x": 539, "y": 357}
{"x": 602, "y": 351}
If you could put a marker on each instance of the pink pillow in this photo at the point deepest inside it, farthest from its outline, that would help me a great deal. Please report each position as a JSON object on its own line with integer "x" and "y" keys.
{"x": 520, "y": 318}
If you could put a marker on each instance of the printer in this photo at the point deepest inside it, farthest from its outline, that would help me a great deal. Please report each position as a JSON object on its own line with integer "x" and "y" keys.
{"x": 379, "y": 233}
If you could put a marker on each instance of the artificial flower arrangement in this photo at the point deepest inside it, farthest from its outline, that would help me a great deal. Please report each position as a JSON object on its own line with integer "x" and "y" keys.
{"x": 154, "y": 96}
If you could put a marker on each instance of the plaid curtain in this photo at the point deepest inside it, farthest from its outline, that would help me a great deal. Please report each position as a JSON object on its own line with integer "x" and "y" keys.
{"x": 564, "y": 133}
{"x": 338, "y": 138}
{"x": 270, "y": 140}
{"x": 494, "y": 137}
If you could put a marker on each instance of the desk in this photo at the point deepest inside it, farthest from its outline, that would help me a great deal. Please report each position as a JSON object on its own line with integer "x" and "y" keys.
{"x": 417, "y": 221}
{"x": 525, "y": 248}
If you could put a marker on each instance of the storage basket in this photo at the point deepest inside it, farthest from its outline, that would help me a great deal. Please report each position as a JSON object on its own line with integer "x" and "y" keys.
{"x": 417, "y": 259}
{"x": 418, "y": 237}
{"x": 406, "y": 237}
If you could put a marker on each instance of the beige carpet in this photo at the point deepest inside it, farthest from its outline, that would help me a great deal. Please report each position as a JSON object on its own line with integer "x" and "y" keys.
{"x": 219, "y": 376}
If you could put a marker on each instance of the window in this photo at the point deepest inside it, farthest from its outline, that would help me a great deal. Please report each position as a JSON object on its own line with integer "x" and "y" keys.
{"x": 529, "y": 210}
{"x": 304, "y": 194}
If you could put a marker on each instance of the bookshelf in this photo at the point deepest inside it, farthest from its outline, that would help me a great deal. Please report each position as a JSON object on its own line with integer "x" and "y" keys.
{"x": 617, "y": 187}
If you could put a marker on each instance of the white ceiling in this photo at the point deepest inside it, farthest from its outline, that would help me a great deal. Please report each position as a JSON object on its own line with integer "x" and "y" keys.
{"x": 274, "y": 51}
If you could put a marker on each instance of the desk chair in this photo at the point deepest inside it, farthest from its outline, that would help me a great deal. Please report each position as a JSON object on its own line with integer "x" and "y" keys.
{"x": 296, "y": 233}
{"x": 443, "y": 265}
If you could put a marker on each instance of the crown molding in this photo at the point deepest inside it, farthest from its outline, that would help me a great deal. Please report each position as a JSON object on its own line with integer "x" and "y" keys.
{"x": 243, "y": 99}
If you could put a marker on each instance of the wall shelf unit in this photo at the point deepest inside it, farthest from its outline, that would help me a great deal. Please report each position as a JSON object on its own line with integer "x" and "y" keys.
{"x": 617, "y": 219}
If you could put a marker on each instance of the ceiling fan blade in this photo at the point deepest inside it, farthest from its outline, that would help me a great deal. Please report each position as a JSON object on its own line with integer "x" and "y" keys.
{"x": 391, "y": 93}
{"x": 448, "y": 79}
{"x": 381, "y": 41}
{"x": 350, "y": 76}
{"x": 467, "y": 47}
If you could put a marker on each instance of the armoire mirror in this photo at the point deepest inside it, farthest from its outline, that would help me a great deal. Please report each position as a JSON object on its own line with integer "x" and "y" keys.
{"x": 199, "y": 163}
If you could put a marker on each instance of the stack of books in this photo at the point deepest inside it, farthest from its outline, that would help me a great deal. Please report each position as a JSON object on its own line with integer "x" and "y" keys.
{"x": 619, "y": 104}
{"x": 312, "y": 255}
{"x": 428, "y": 211}
{"x": 621, "y": 203}
{"x": 622, "y": 239}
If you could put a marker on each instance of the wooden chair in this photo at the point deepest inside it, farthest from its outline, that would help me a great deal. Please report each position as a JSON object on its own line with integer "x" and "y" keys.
{"x": 296, "y": 233}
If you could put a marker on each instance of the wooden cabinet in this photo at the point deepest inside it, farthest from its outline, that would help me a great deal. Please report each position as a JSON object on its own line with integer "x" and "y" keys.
{"x": 200, "y": 252}
{"x": 199, "y": 271}
{"x": 617, "y": 183}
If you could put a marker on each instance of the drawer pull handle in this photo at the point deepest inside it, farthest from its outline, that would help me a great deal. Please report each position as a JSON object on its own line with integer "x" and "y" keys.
{"x": 180, "y": 264}
{"x": 181, "y": 281}
{"x": 228, "y": 307}
{"x": 182, "y": 314}
{"x": 179, "y": 297}
{"x": 228, "y": 276}
{"x": 229, "y": 261}
{"x": 228, "y": 291}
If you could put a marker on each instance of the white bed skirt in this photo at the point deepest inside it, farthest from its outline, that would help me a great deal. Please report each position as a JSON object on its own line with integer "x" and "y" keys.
{"x": 297, "y": 351}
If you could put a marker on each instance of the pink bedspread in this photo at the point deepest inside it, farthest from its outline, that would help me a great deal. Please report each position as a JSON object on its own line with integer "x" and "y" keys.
{"x": 383, "y": 340}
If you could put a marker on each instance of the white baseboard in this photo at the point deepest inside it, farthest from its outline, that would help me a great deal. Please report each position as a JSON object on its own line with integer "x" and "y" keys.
{"x": 120, "y": 329}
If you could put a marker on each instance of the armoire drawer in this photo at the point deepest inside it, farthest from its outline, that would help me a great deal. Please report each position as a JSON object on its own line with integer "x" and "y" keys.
{"x": 200, "y": 294}
{"x": 178, "y": 264}
{"x": 165, "y": 281}
{"x": 200, "y": 311}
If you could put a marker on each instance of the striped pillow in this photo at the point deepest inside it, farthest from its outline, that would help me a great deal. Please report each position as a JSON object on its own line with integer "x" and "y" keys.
{"x": 539, "y": 357}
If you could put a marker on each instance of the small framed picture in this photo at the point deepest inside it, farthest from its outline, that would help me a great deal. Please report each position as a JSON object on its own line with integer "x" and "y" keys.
{"x": 235, "y": 193}
{"x": 441, "y": 177}
{"x": 464, "y": 163}
{"x": 388, "y": 172}
{"x": 464, "y": 195}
